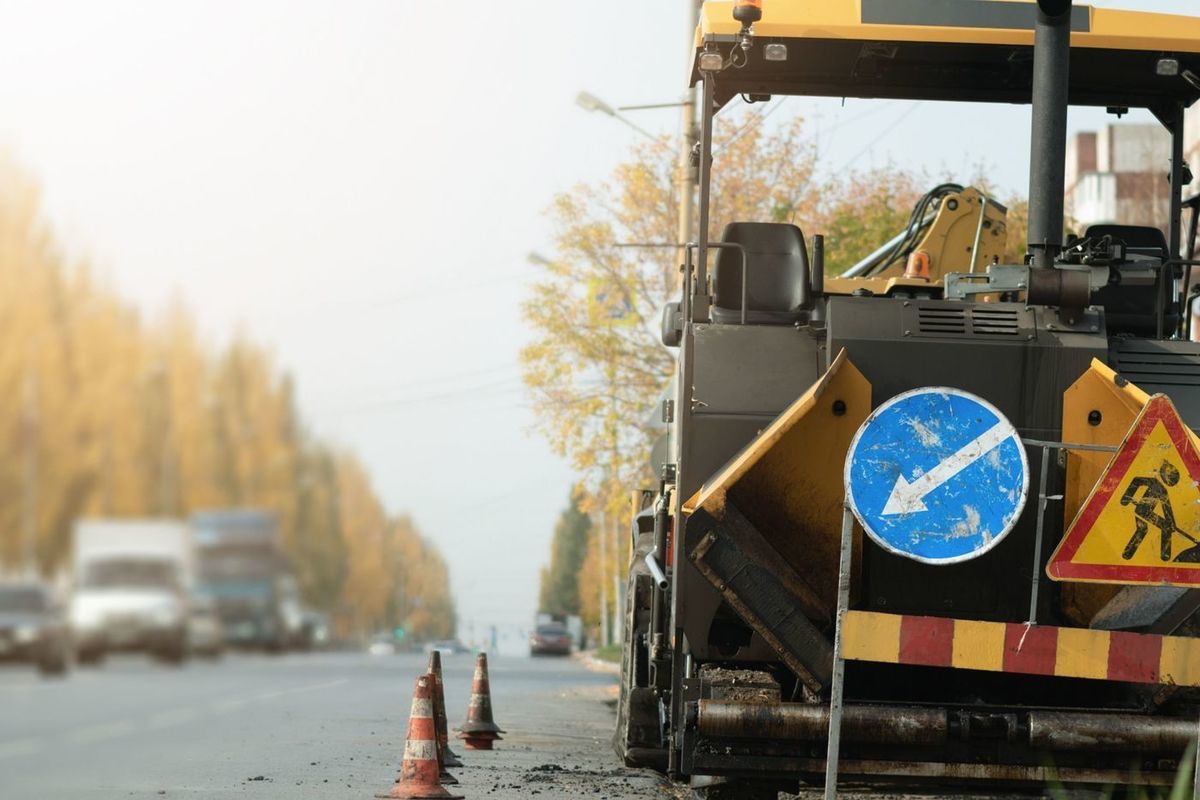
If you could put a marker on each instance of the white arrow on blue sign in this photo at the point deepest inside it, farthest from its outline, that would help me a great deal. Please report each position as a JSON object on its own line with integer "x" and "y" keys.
{"x": 937, "y": 475}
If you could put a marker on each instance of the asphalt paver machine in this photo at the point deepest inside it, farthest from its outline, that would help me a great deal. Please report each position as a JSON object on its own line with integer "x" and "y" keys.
{"x": 980, "y": 671}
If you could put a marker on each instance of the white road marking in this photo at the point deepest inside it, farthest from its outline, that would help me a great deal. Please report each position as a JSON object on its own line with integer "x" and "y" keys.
{"x": 172, "y": 718}
{"x": 116, "y": 729}
{"x": 33, "y": 683}
{"x": 907, "y": 498}
{"x": 316, "y": 687}
{"x": 19, "y": 747}
{"x": 228, "y": 705}
{"x": 103, "y": 732}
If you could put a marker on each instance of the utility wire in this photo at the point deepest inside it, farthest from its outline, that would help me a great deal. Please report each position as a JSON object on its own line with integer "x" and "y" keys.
{"x": 507, "y": 384}
{"x": 838, "y": 122}
{"x": 437, "y": 382}
{"x": 418, "y": 293}
{"x": 887, "y": 131}
{"x": 757, "y": 119}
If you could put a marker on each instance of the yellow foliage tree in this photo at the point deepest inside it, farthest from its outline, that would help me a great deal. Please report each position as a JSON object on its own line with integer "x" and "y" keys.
{"x": 102, "y": 414}
{"x": 595, "y": 369}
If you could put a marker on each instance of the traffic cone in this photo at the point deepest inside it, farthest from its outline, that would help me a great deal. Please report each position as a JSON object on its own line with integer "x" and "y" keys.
{"x": 480, "y": 730}
{"x": 437, "y": 702}
{"x": 449, "y": 757}
{"x": 419, "y": 773}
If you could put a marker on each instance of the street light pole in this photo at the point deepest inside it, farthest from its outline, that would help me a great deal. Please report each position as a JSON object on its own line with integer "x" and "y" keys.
{"x": 686, "y": 177}
{"x": 602, "y": 542}
{"x": 29, "y": 488}
{"x": 689, "y": 139}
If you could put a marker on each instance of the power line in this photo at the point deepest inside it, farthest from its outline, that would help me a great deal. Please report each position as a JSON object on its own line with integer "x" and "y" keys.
{"x": 508, "y": 384}
{"x": 438, "y": 382}
{"x": 756, "y": 120}
{"x": 418, "y": 293}
{"x": 521, "y": 490}
{"x": 887, "y": 131}
{"x": 838, "y": 122}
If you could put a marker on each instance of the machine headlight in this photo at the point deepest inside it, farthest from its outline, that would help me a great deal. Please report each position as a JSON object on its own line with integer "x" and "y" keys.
{"x": 711, "y": 61}
{"x": 84, "y": 616}
{"x": 775, "y": 52}
{"x": 165, "y": 615}
{"x": 1167, "y": 67}
{"x": 25, "y": 634}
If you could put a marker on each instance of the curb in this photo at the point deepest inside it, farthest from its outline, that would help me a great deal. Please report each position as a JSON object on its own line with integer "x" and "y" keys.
{"x": 593, "y": 664}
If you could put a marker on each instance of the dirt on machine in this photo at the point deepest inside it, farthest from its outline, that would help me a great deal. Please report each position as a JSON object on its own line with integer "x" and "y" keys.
{"x": 765, "y": 599}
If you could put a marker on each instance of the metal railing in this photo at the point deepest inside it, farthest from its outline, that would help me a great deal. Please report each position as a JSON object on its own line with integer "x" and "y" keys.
{"x": 845, "y": 570}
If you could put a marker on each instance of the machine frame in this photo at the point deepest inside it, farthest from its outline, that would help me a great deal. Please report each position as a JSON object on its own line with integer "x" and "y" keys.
{"x": 902, "y": 50}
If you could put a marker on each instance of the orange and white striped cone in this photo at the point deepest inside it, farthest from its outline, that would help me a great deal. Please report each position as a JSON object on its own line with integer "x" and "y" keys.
{"x": 480, "y": 730}
{"x": 449, "y": 757}
{"x": 434, "y": 695}
{"x": 419, "y": 773}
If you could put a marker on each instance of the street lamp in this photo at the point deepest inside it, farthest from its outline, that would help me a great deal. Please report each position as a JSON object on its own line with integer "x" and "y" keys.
{"x": 589, "y": 102}
{"x": 687, "y": 175}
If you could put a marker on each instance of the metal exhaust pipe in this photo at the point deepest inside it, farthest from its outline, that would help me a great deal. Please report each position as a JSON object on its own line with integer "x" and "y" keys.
{"x": 1119, "y": 733}
{"x": 799, "y": 722}
{"x": 1048, "y": 150}
{"x": 656, "y": 572}
{"x": 1051, "y": 731}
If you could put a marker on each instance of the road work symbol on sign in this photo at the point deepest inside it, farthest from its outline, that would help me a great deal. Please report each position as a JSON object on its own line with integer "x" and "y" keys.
{"x": 1141, "y": 523}
{"x": 937, "y": 475}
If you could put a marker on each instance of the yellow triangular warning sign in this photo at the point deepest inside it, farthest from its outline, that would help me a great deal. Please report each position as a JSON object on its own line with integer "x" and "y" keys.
{"x": 1141, "y": 523}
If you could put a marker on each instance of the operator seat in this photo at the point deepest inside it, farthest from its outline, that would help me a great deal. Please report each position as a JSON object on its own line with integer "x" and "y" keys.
{"x": 776, "y": 274}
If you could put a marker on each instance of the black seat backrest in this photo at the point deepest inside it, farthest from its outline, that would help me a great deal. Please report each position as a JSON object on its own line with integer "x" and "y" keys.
{"x": 1142, "y": 239}
{"x": 776, "y": 272}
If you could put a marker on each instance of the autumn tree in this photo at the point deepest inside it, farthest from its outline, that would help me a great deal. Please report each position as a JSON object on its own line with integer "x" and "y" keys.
{"x": 560, "y": 578}
{"x": 868, "y": 209}
{"x": 103, "y": 413}
{"x": 595, "y": 369}
{"x": 595, "y": 375}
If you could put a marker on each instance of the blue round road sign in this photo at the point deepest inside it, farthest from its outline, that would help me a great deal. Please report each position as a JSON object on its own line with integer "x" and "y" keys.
{"x": 937, "y": 475}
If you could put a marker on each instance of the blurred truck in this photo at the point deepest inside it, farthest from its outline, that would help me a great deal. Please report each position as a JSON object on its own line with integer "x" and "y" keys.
{"x": 130, "y": 588}
{"x": 241, "y": 565}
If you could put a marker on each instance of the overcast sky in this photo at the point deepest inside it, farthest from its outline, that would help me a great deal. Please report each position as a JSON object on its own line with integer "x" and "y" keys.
{"x": 357, "y": 185}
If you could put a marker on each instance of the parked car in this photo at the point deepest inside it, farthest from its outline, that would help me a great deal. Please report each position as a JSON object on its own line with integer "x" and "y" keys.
{"x": 447, "y": 647}
{"x": 314, "y": 631}
{"x": 33, "y": 627}
{"x": 550, "y": 640}
{"x": 383, "y": 644}
{"x": 205, "y": 634}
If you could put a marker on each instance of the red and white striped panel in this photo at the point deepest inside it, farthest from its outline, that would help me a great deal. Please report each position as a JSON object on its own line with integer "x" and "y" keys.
{"x": 1015, "y": 647}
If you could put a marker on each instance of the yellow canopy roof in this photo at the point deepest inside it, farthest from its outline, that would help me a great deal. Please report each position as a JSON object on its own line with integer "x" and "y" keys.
{"x": 952, "y": 49}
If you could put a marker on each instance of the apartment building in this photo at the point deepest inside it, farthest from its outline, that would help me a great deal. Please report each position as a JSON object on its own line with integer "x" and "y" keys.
{"x": 1116, "y": 174}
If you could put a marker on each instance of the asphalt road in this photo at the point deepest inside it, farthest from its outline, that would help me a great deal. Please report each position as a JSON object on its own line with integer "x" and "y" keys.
{"x": 329, "y": 725}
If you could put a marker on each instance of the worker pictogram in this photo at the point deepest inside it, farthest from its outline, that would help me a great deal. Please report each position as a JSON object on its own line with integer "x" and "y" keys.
{"x": 1141, "y": 523}
{"x": 937, "y": 475}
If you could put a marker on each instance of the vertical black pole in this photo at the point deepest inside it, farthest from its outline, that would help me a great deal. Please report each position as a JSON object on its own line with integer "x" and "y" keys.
{"x": 833, "y": 741}
{"x": 1175, "y": 221}
{"x": 1193, "y": 226}
{"x": 1175, "y": 234}
{"x": 700, "y": 306}
{"x": 817, "y": 277}
{"x": 1048, "y": 151}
